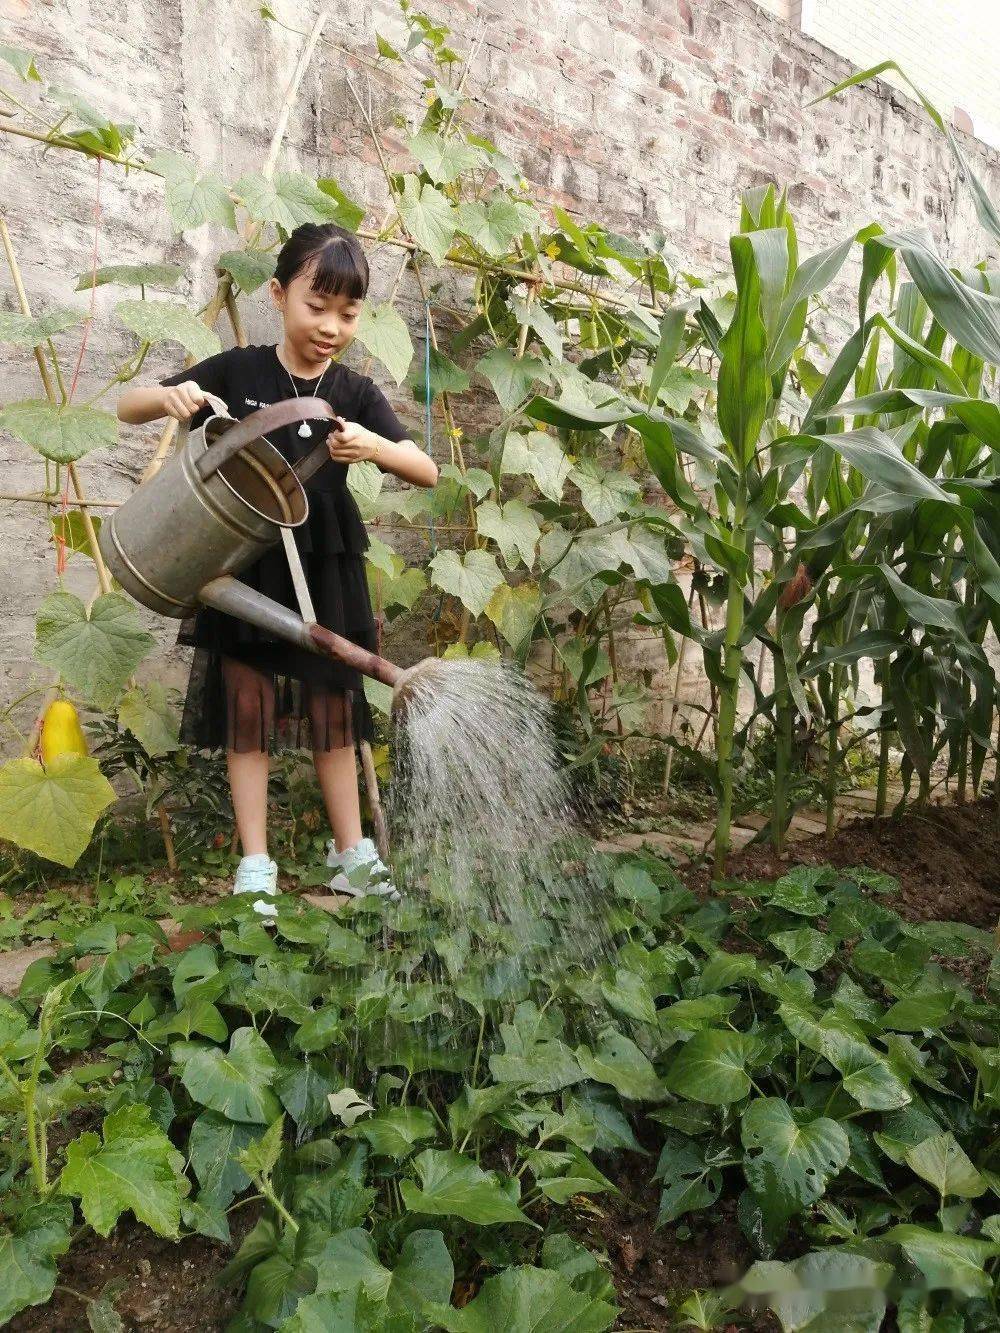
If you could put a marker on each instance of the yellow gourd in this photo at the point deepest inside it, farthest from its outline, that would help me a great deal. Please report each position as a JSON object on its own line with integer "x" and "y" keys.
{"x": 61, "y": 731}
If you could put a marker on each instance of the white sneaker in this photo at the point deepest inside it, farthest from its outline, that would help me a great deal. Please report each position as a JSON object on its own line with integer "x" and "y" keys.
{"x": 349, "y": 864}
{"x": 258, "y": 874}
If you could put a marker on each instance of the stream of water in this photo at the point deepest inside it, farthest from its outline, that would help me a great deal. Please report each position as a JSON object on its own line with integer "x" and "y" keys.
{"x": 483, "y": 836}
{"x": 480, "y": 807}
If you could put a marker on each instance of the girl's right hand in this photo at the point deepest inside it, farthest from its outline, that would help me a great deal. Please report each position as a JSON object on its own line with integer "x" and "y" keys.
{"x": 182, "y": 401}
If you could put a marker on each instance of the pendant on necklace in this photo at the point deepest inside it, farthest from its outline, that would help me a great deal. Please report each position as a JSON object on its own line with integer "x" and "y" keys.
{"x": 305, "y": 430}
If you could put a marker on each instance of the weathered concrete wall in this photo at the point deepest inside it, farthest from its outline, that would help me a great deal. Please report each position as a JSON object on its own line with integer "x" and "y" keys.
{"x": 947, "y": 49}
{"x": 637, "y": 113}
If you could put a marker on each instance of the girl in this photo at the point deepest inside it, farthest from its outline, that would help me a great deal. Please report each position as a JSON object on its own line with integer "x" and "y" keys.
{"x": 242, "y": 681}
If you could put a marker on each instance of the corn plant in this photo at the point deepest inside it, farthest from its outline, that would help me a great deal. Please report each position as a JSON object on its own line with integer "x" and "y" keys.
{"x": 922, "y": 588}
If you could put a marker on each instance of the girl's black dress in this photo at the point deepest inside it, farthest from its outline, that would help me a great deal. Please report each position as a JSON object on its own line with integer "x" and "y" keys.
{"x": 318, "y": 704}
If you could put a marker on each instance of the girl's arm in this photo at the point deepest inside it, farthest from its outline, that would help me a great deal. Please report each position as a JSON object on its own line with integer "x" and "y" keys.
{"x": 379, "y": 436}
{"x": 354, "y": 444}
{"x": 149, "y": 403}
{"x": 406, "y": 459}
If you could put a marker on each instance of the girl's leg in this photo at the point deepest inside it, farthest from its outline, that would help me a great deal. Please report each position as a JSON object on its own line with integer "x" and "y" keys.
{"x": 333, "y": 756}
{"x": 248, "y": 785}
{"x": 250, "y": 710}
{"x": 330, "y": 716}
{"x": 338, "y": 780}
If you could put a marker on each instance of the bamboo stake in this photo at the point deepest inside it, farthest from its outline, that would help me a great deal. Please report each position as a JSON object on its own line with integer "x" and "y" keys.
{"x": 166, "y": 833}
{"x": 22, "y": 297}
{"x": 53, "y": 692}
{"x": 291, "y": 93}
{"x": 103, "y": 576}
{"x": 375, "y": 800}
{"x": 520, "y": 274}
{"x": 55, "y": 501}
{"x": 963, "y": 755}
{"x": 712, "y": 693}
{"x": 457, "y": 454}
{"x": 613, "y": 659}
{"x": 882, "y": 785}
{"x": 52, "y": 140}
{"x": 364, "y": 747}
{"x": 235, "y": 319}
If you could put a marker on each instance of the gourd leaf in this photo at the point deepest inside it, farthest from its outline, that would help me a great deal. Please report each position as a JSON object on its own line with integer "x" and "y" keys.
{"x": 52, "y": 810}
{"x": 96, "y": 652}
{"x": 132, "y": 1166}
{"x": 166, "y": 321}
{"x": 63, "y": 434}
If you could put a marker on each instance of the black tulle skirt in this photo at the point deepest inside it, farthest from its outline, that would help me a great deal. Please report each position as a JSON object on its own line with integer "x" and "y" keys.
{"x": 289, "y": 698}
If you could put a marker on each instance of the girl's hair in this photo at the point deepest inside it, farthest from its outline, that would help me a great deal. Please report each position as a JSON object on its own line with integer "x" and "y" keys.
{"x": 338, "y": 263}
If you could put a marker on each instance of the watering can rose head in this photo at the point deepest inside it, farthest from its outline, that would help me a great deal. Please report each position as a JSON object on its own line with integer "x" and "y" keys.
{"x": 424, "y": 675}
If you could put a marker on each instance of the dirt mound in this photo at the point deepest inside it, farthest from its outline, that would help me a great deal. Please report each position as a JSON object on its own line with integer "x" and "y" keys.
{"x": 946, "y": 858}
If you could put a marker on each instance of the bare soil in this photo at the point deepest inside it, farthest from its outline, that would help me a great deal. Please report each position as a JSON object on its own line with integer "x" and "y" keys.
{"x": 654, "y": 1270}
{"x": 170, "y": 1287}
{"x": 167, "y": 1286}
{"x": 946, "y": 859}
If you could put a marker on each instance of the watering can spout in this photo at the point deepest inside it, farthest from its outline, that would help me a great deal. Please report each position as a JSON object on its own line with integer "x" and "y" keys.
{"x": 233, "y": 598}
{"x": 237, "y": 599}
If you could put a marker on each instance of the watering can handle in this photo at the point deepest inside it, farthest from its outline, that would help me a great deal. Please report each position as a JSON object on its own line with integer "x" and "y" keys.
{"x": 257, "y": 424}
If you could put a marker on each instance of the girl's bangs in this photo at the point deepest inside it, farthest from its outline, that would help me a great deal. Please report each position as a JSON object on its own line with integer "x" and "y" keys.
{"x": 334, "y": 271}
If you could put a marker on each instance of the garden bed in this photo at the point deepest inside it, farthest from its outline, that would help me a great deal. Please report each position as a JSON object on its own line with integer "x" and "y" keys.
{"x": 172, "y": 1287}
{"x": 945, "y": 860}
{"x": 162, "y": 1286}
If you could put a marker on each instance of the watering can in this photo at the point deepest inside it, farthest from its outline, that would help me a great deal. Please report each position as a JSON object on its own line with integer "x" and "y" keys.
{"x": 215, "y": 506}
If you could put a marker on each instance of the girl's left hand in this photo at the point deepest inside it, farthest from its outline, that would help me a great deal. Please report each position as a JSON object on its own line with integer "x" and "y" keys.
{"x": 351, "y": 443}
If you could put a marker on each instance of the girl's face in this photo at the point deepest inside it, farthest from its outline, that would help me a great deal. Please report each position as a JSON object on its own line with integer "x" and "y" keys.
{"x": 317, "y": 327}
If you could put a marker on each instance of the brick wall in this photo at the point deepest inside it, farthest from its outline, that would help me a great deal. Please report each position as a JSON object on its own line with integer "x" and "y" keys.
{"x": 638, "y": 113}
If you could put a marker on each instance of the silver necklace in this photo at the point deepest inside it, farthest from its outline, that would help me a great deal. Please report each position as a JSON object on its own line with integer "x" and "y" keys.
{"x": 305, "y": 430}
